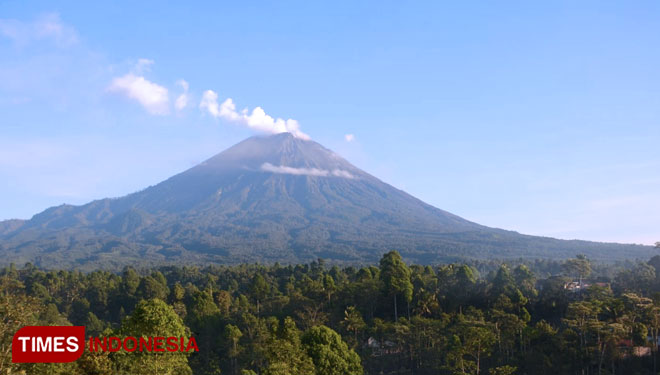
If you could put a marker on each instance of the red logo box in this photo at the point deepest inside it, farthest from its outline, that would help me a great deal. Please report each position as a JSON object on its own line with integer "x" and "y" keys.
{"x": 48, "y": 344}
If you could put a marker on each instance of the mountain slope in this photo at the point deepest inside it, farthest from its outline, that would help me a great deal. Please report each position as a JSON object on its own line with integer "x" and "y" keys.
{"x": 276, "y": 198}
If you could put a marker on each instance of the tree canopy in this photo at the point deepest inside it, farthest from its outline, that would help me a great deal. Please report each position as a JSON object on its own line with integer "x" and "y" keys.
{"x": 482, "y": 317}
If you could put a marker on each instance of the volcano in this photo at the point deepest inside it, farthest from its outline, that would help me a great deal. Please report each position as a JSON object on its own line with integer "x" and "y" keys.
{"x": 270, "y": 199}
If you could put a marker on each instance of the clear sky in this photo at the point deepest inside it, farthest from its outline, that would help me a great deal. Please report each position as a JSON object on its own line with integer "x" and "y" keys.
{"x": 539, "y": 117}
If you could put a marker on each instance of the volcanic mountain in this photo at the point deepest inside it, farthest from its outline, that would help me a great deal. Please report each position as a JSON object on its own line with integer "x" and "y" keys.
{"x": 269, "y": 199}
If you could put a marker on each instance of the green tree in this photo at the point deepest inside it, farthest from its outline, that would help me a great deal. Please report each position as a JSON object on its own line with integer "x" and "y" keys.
{"x": 472, "y": 341}
{"x": 395, "y": 275}
{"x": 456, "y": 283}
{"x": 95, "y": 363}
{"x": 578, "y": 267}
{"x": 353, "y": 321}
{"x": 177, "y": 293}
{"x": 503, "y": 283}
{"x": 154, "y": 318}
{"x": 130, "y": 281}
{"x": 233, "y": 334}
{"x": 150, "y": 288}
{"x": 223, "y": 300}
{"x": 202, "y": 309}
{"x": 285, "y": 353}
{"x": 503, "y": 370}
{"x": 329, "y": 353}
{"x": 525, "y": 280}
{"x": 259, "y": 289}
{"x": 329, "y": 286}
{"x": 16, "y": 310}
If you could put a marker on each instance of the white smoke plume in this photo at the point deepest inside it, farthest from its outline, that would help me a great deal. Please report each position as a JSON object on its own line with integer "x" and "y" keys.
{"x": 257, "y": 120}
{"x": 267, "y": 167}
{"x": 153, "y": 97}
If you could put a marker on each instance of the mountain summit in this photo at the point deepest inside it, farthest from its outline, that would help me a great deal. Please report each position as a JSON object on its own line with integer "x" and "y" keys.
{"x": 271, "y": 199}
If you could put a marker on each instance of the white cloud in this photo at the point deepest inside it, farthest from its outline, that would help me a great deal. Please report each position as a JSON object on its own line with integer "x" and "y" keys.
{"x": 210, "y": 103}
{"x": 182, "y": 100}
{"x": 349, "y": 137}
{"x": 257, "y": 120}
{"x": 342, "y": 173}
{"x": 267, "y": 167}
{"x": 143, "y": 65}
{"x": 183, "y": 84}
{"x": 48, "y": 26}
{"x": 153, "y": 97}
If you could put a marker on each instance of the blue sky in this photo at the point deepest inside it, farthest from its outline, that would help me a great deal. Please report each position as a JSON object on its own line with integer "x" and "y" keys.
{"x": 539, "y": 117}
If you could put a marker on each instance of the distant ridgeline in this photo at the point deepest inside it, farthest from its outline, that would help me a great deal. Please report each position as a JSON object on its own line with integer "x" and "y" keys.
{"x": 271, "y": 199}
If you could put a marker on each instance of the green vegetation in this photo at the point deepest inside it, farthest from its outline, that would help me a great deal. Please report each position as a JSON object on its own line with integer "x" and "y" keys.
{"x": 489, "y": 318}
{"x": 227, "y": 210}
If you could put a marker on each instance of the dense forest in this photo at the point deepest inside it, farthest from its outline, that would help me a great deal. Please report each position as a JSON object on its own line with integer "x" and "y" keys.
{"x": 491, "y": 318}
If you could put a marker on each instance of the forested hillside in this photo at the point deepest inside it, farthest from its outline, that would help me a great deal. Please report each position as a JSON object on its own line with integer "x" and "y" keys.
{"x": 271, "y": 199}
{"x": 544, "y": 317}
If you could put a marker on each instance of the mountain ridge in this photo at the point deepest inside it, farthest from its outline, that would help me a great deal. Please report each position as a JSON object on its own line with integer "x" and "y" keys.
{"x": 270, "y": 199}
